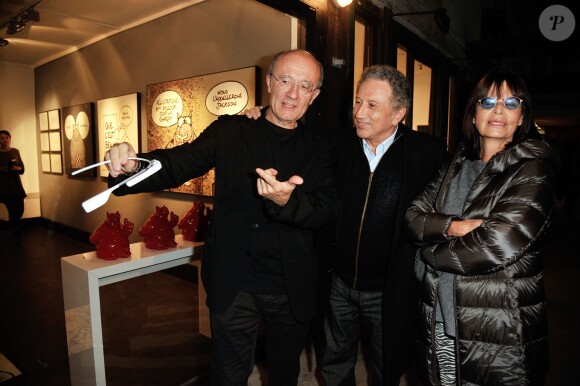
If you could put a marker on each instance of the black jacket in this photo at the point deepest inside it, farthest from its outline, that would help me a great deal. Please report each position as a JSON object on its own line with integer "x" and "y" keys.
{"x": 236, "y": 146}
{"x": 421, "y": 155}
{"x": 500, "y": 305}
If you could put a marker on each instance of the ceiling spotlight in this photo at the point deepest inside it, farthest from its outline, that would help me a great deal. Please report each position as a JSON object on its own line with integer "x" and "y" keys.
{"x": 15, "y": 26}
{"x": 342, "y": 3}
{"x": 3, "y": 42}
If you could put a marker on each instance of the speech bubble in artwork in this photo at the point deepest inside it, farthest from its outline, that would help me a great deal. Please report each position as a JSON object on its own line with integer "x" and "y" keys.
{"x": 227, "y": 98}
{"x": 83, "y": 124}
{"x": 125, "y": 116}
{"x": 167, "y": 108}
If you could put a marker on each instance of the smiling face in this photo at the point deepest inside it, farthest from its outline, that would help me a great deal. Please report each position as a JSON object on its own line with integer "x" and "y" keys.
{"x": 498, "y": 124}
{"x": 287, "y": 107}
{"x": 374, "y": 116}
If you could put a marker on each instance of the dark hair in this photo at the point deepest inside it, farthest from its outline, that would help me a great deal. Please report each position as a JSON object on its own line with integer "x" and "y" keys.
{"x": 495, "y": 79}
{"x": 398, "y": 82}
{"x": 5, "y": 132}
{"x": 282, "y": 53}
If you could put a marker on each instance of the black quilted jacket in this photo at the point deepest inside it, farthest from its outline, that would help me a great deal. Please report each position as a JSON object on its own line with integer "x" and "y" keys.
{"x": 500, "y": 307}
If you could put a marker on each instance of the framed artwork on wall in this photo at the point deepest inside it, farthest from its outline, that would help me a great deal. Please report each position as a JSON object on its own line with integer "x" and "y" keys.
{"x": 50, "y": 141}
{"x": 118, "y": 121}
{"x": 56, "y": 163}
{"x": 43, "y": 121}
{"x": 45, "y": 162}
{"x": 54, "y": 140}
{"x": 179, "y": 111}
{"x": 54, "y": 119}
{"x": 44, "y": 141}
{"x": 78, "y": 140}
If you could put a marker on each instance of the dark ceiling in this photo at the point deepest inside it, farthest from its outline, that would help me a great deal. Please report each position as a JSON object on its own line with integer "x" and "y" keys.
{"x": 12, "y": 8}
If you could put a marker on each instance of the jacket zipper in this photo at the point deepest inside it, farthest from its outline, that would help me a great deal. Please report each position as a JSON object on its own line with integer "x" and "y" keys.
{"x": 360, "y": 226}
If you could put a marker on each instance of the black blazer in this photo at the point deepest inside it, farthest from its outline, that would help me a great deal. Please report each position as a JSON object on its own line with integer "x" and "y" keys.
{"x": 236, "y": 146}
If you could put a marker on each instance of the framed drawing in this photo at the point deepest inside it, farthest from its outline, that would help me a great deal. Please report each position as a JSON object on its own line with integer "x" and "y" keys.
{"x": 78, "y": 139}
{"x": 179, "y": 111}
{"x": 56, "y": 163}
{"x": 54, "y": 140}
{"x": 45, "y": 161}
{"x": 118, "y": 121}
{"x": 54, "y": 119}
{"x": 43, "y": 120}
{"x": 44, "y": 141}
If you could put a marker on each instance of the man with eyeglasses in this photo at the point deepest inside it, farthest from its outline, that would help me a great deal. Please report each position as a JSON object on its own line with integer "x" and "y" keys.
{"x": 274, "y": 186}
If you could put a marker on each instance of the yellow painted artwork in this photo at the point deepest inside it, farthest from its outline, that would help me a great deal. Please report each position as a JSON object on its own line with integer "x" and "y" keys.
{"x": 179, "y": 111}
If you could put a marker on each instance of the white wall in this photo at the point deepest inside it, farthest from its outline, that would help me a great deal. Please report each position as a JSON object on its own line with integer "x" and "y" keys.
{"x": 17, "y": 115}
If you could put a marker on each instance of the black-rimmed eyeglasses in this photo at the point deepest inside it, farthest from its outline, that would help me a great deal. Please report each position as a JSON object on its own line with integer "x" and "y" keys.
{"x": 510, "y": 103}
{"x": 286, "y": 83}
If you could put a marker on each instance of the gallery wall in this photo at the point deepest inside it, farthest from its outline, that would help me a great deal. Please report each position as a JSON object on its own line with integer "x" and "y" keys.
{"x": 210, "y": 37}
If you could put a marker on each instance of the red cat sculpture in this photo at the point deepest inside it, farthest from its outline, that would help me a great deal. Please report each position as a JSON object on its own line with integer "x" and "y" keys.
{"x": 158, "y": 230}
{"x": 194, "y": 223}
{"x": 112, "y": 239}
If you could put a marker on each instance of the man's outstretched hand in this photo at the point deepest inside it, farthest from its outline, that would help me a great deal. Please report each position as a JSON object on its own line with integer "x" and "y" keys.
{"x": 276, "y": 191}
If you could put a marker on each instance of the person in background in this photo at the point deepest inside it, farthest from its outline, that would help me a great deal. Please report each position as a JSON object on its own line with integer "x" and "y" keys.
{"x": 12, "y": 192}
{"x": 481, "y": 224}
{"x": 274, "y": 186}
{"x": 381, "y": 165}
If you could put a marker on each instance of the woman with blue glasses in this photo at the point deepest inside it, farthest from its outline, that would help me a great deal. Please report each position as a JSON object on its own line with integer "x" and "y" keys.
{"x": 480, "y": 225}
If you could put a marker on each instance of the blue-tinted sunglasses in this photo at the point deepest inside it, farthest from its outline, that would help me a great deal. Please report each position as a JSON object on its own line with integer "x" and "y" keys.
{"x": 510, "y": 103}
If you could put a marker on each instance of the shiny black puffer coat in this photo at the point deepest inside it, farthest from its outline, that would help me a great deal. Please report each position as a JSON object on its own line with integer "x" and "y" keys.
{"x": 500, "y": 307}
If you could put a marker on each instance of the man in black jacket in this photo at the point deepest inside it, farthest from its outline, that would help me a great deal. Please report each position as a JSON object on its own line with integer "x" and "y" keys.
{"x": 382, "y": 166}
{"x": 274, "y": 186}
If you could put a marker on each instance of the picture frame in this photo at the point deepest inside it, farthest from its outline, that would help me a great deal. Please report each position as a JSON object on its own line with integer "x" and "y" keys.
{"x": 45, "y": 162}
{"x": 44, "y": 141}
{"x": 43, "y": 120}
{"x": 56, "y": 163}
{"x": 179, "y": 111}
{"x": 54, "y": 140}
{"x": 54, "y": 119}
{"x": 118, "y": 121}
{"x": 79, "y": 138}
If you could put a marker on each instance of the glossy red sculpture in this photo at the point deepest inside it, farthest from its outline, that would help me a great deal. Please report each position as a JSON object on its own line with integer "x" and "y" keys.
{"x": 158, "y": 230}
{"x": 195, "y": 222}
{"x": 112, "y": 239}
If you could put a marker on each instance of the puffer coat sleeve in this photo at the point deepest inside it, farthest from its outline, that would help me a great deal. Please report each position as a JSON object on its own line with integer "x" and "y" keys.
{"x": 514, "y": 198}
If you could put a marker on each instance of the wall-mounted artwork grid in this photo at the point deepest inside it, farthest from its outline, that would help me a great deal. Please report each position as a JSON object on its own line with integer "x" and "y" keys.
{"x": 50, "y": 141}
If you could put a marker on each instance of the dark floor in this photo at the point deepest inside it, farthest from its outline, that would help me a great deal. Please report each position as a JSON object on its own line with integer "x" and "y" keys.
{"x": 150, "y": 323}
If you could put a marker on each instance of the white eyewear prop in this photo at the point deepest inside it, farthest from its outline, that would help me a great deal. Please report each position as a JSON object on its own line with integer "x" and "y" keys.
{"x": 100, "y": 199}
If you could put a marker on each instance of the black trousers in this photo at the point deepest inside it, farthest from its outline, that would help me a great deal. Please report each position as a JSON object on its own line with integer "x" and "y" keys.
{"x": 234, "y": 334}
{"x": 15, "y": 206}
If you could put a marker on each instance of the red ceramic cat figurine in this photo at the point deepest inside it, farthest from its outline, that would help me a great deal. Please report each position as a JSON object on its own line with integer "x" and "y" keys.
{"x": 112, "y": 239}
{"x": 192, "y": 222}
{"x": 158, "y": 230}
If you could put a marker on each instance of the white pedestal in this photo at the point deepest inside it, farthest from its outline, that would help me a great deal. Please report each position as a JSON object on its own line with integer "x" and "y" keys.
{"x": 83, "y": 274}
